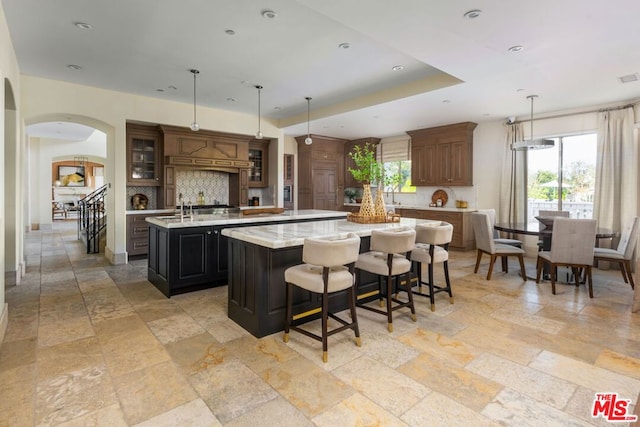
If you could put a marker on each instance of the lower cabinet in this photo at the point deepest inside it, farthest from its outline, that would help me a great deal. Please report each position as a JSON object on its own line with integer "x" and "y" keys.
{"x": 462, "y": 229}
{"x": 138, "y": 234}
{"x": 185, "y": 259}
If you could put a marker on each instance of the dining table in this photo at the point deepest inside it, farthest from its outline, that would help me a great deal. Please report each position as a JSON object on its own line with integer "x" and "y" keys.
{"x": 545, "y": 233}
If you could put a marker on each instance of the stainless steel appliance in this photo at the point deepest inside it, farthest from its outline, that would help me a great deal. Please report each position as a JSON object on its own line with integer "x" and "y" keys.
{"x": 288, "y": 194}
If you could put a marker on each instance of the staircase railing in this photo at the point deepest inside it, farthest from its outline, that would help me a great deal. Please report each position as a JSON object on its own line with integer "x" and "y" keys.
{"x": 92, "y": 218}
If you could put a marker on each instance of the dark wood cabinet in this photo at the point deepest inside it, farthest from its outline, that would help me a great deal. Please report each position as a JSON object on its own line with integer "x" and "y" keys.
{"x": 442, "y": 155}
{"x": 349, "y": 181}
{"x": 183, "y": 259}
{"x": 321, "y": 173}
{"x": 143, "y": 155}
{"x": 259, "y": 168}
{"x": 138, "y": 233}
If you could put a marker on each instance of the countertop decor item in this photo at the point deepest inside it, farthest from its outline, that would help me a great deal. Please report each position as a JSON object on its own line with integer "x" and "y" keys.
{"x": 139, "y": 201}
{"x": 367, "y": 171}
{"x": 439, "y": 195}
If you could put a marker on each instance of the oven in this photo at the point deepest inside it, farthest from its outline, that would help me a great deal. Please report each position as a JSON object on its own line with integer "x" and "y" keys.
{"x": 288, "y": 193}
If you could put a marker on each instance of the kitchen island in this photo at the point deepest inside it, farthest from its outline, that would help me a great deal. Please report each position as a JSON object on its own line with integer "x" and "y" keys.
{"x": 190, "y": 253}
{"x": 258, "y": 257}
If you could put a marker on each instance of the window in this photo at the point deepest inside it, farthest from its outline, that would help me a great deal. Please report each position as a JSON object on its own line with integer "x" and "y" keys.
{"x": 395, "y": 155}
{"x": 563, "y": 177}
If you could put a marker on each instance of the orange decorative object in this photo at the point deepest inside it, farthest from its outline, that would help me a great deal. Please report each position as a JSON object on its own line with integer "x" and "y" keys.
{"x": 439, "y": 195}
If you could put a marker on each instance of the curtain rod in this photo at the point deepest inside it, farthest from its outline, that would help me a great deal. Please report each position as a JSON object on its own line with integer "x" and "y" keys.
{"x": 557, "y": 116}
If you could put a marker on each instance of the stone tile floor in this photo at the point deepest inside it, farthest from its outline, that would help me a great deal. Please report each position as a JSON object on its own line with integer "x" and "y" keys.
{"x": 93, "y": 344}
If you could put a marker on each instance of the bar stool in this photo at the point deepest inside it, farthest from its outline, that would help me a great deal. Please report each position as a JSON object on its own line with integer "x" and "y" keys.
{"x": 389, "y": 257}
{"x": 432, "y": 246}
{"x": 328, "y": 268}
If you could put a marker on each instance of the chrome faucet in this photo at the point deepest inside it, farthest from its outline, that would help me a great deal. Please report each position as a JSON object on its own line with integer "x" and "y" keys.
{"x": 181, "y": 200}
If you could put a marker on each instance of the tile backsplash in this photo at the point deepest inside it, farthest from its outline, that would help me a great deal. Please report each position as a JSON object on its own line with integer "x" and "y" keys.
{"x": 215, "y": 186}
{"x": 150, "y": 192}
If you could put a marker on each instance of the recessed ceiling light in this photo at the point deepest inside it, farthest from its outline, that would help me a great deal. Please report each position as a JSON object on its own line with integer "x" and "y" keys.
{"x": 74, "y": 67}
{"x": 269, "y": 14}
{"x": 473, "y": 14}
{"x": 276, "y": 108}
{"x": 517, "y": 48}
{"x": 520, "y": 90}
{"x": 397, "y": 68}
{"x": 344, "y": 45}
{"x": 173, "y": 87}
{"x": 83, "y": 25}
{"x": 231, "y": 99}
{"x": 230, "y": 32}
{"x": 446, "y": 101}
{"x": 160, "y": 90}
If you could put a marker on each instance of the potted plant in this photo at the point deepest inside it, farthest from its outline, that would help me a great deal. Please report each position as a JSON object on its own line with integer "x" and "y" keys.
{"x": 351, "y": 194}
{"x": 367, "y": 171}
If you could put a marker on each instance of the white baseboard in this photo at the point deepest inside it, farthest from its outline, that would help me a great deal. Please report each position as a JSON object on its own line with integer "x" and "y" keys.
{"x": 114, "y": 258}
{"x": 4, "y": 321}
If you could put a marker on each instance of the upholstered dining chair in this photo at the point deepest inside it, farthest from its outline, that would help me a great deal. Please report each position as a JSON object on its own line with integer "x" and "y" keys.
{"x": 485, "y": 244}
{"x": 624, "y": 252}
{"x": 572, "y": 245}
{"x": 388, "y": 258}
{"x": 328, "y": 268}
{"x": 432, "y": 247}
{"x": 550, "y": 214}
{"x": 496, "y": 234}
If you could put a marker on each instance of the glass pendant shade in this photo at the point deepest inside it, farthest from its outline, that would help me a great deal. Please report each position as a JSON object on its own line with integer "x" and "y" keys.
{"x": 308, "y": 139}
{"x": 194, "y": 126}
{"x": 259, "y": 133}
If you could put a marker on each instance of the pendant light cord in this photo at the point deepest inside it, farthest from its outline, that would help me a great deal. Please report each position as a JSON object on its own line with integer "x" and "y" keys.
{"x": 308, "y": 116}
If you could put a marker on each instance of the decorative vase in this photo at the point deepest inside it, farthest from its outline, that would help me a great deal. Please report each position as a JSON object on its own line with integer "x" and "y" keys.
{"x": 366, "y": 207}
{"x": 379, "y": 205}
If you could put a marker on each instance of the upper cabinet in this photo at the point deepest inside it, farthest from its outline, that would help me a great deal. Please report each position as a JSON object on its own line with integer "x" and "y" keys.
{"x": 143, "y": 155}
{"x": 349, "y": 181}
{"x": 259, "y": 158}
{"x": 443, "y": 155}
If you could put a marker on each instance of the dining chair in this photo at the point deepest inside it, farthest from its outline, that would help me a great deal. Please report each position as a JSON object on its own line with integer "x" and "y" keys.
{"x": 624, "y": 252}
{"x": 485, "y": 244}
{"x": 328, "y": 267}
{"x": 432, "y": 247}
{"x": 388, "y": 258}
{"x": 572, "y": 245}
{"x": 58, "y": 208}
{"x": 496, "y": 234}
{"x": 550, "y": 214}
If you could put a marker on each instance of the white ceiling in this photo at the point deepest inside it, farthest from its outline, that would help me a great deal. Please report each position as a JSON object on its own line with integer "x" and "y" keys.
{"x": 455, "y": 69}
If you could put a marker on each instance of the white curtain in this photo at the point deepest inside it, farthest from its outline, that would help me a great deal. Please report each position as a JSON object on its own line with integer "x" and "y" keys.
{"x": 615, "y": 201}
{"x": 512, "y": 191}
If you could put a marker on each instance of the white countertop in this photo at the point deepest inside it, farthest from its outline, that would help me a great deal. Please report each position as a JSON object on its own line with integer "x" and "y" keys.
{"x": 201, "y": 220}
{"x": 278, "y": 236}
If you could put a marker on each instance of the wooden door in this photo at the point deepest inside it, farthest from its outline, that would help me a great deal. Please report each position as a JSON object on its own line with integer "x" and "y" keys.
{"x": 325, "y": 186}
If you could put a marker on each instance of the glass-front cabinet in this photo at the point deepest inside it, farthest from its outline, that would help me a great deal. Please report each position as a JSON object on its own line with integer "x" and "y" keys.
{"x": 142, "y": 156}
{"x": 258, "y": 156}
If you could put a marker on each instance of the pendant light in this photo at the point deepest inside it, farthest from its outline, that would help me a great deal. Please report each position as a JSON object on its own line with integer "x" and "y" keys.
{"x": 532, "y": 144}
{"x": 259, "y": 133}
{"x": 194, "y": 126}
{"x": 308, "y": 139}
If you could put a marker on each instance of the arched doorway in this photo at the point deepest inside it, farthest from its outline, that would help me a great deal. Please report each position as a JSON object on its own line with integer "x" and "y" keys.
{"x": 12, "y": 257}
